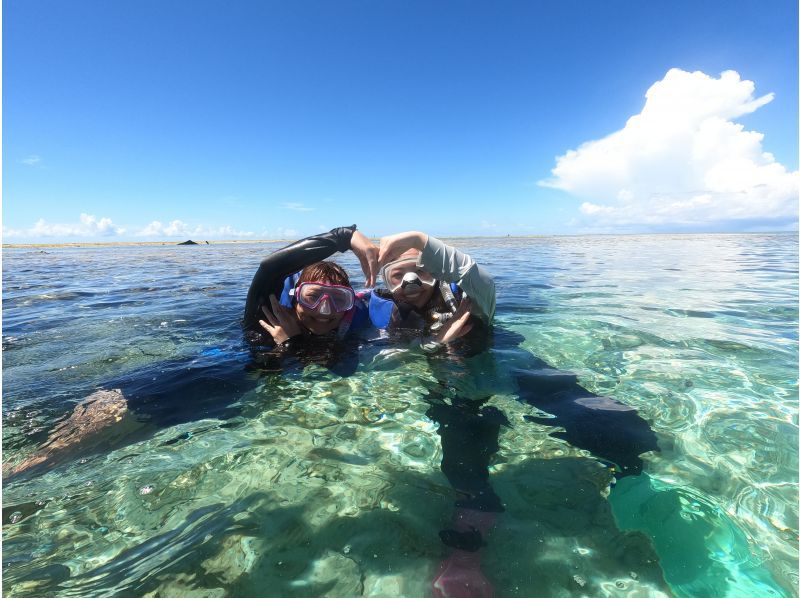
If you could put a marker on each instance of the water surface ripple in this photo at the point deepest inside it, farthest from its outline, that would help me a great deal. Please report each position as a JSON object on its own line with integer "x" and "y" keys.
{"x": 314, "y": 484}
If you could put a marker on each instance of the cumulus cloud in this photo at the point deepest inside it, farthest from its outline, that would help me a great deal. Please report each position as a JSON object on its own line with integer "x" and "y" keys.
{"x": 89, "y": 226}
{"x": 296, "y": 207}
{"x": 682, "y": 161}
{"x": 178, "y": 228}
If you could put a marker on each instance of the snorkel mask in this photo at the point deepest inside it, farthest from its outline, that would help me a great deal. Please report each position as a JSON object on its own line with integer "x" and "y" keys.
{"x": 324, "y": 299}
{"x": 405, "y": 274}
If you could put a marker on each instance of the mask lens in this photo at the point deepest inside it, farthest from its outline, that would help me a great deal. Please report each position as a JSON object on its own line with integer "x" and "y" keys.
{"x": 394, "y": 273}
{"x": 326, "y": 298}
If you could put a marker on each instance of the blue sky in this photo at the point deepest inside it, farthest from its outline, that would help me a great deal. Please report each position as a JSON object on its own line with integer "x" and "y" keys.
{"x": 166, "y": 120}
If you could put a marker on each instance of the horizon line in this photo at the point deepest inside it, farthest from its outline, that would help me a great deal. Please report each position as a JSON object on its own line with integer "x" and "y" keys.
{"x": 285, "y": 240}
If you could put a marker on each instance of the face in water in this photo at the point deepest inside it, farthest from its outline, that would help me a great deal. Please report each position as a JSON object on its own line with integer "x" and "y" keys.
{"x": 408, "y": 282}
{"x": 321, "y": 306}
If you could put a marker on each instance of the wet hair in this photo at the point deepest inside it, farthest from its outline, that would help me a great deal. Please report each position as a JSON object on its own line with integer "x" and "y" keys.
{"x": 328, "y": 272}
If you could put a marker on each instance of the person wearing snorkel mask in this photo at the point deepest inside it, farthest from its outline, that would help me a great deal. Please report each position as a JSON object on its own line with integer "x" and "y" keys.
{"x": 431, "y": 287}
{"x": 317, "y": 301}
{"x": 296, "y": 297}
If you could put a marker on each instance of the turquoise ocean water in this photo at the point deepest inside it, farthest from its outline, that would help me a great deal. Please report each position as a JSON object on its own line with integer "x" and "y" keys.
{"x": 310, "y": 483}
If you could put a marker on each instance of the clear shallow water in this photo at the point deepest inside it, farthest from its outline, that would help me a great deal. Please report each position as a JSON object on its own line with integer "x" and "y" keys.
{"x": 308, "y": 483}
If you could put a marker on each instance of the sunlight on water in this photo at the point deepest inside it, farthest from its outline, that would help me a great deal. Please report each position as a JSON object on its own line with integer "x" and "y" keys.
{"x": 309, "y": 483}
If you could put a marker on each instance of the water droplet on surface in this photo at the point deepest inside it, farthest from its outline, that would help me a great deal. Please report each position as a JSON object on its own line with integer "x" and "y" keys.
{"x": 15, "y": 517}
{"x": 620, "y": 584}
{"x": 633, "y": 575}
{"x": 346, "y": 549}
{"x": 146, "y": 489}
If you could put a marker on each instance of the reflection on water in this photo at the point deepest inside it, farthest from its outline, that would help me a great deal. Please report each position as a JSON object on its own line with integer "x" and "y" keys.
{"x": 313, "y": 484}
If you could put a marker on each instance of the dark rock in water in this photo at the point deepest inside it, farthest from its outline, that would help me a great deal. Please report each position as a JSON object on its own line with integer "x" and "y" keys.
{"x": 189, "y": 242}
{"x": 207, "y": 243}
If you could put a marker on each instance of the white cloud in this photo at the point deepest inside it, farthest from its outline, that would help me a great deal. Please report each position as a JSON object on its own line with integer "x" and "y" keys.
{"x": 89, "y": 226}
{"x": 31, "y": 160}
{"x": 296, "y": 207}
{"x": 178, "y": 228}
{"x": 682, "y": 161}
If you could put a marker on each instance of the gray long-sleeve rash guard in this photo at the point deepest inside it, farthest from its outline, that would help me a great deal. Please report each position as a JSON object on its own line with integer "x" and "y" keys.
{"x": 451, "y": 265}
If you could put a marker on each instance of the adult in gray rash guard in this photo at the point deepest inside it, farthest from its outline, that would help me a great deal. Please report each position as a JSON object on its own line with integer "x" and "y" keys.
{"x": 425, "y": 282}
{"x": 414, "y": 266}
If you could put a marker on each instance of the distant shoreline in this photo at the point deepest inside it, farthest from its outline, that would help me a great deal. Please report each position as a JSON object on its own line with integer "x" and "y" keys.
{"x": 137, "y": 243}
{"x": 376, "y": 239}
{"x": 218, "y": 242}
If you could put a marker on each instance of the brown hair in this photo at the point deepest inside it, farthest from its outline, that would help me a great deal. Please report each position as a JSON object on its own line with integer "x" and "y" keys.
{"x": 328, "y": 272}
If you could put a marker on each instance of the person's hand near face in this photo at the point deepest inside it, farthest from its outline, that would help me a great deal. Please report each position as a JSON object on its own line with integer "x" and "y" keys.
{"x": 281, "y": 323}
{"x": 458, "y": 325}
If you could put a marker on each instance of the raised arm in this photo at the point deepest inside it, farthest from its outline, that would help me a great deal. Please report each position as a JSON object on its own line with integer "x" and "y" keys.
{"x": 452, "y": 265}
